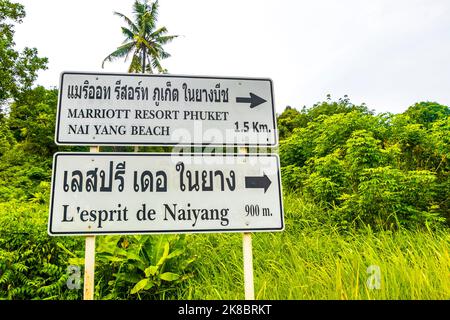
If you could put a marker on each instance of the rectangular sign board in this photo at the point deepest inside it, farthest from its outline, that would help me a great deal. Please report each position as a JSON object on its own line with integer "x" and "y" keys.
{"x": 139, "y": 193}
{"x": 143, "y": 109}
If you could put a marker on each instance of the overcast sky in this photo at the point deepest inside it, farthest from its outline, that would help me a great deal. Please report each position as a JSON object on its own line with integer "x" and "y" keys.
{"x": 386, "y": 53}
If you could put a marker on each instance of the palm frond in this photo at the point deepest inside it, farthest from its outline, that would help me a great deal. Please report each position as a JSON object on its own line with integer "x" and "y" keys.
{"x": 157, "y": 65}
{"x": 152, "y": 47}
{"x": 135, "y": 65}
{"x": 158, "y": 32}
{"x": 164, "y": 54}
{"x": 127, "y": 33}
{"x": 120, "y": 52}
{"x": 130, "y": 52}
{"x": 165, "y": 39}
{"x": 130, "y": 23}
{"x": 143, "y": 16}
{"x": 153, "y": 16}
{"x": 138, "y": 8}
{"x": 148, "y": 68}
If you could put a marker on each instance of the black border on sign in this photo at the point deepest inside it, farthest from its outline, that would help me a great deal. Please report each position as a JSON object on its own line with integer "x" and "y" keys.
{"x": 97, "y": 143}
{"x": 103, "y": 154}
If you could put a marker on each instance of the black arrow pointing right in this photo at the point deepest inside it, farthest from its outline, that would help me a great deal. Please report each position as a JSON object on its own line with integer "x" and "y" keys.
{"x": 258, "y": 182}
{"x": 254, "y": 100}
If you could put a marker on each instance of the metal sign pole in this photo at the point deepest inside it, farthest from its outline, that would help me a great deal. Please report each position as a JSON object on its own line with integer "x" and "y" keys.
{"x": 89, "y": 259}
{"x": 248, "y": 258}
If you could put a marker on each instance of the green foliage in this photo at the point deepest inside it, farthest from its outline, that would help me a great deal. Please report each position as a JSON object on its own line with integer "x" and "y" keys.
{"x": 390, "y": 198}
{"x": 327, "y": 179}
{"x": 6, "y": 137}
{"x": 387, "y": 171}
{"x": 140, "y": 267}
{"x": 329, "y": 107}
{"x": 313, "y": 260}
{"x": 425, "y": 113}
{"x": 291, "y": 175}
{"x": 324, "y": 135}
{"x": 297, "y": 149}
{"x": 19, "y": 69}
{"x": 32, "y": 120}
{"x": 22, "y": 173}
{"x": 32, "y": 264}
{"x": 363, "y": 151}
{"x": 290, "y": 118}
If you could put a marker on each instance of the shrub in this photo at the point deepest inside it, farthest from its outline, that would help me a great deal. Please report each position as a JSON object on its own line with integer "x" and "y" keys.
{"x": 32, "y": 264}
{"x": 386, "y": 170}
{"x": 140, "y": 267}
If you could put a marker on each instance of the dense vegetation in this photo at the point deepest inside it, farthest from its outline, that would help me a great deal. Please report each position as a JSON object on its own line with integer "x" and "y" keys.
{"x": 386, "y": 171}
{"x": 359, "y": 190}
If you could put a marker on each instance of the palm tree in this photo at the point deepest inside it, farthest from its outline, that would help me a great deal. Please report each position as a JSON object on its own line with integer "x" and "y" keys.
{"x": 142, "y": 39}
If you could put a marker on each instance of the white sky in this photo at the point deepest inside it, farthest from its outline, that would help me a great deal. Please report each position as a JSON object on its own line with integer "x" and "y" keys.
{"x": 386, "y": 53}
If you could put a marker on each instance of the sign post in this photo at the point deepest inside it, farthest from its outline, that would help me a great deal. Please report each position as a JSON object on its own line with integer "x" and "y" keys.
{"x": 249, "y": 288}
{"x": 89, "y": 268}
{"x": 89, "y": 259}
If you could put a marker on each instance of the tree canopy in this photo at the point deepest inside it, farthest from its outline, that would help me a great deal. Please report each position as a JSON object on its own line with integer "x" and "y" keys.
{"x": 385, "y": 170}
{"x": 144, "y": 41}
{"x": 18, "y": 68}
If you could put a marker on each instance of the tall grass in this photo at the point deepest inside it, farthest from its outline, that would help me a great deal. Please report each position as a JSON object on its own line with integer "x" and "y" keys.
{"x": 312, "y": 261}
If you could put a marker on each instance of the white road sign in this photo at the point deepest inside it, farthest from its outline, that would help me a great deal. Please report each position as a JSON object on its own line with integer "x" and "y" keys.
{"x": 138, "y": 193}
{"x": 138, "y": 109}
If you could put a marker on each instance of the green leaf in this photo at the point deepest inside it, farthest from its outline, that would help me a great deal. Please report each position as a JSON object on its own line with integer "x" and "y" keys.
{"x": 114, "y": 259}
{"x": 133, "y": 256}
{"x": 186, "y": 263}
{"x": 76, "y": 261}
{"x": 59, "y": 244}
{"x": 175, "y": 253}
{"x": 149, "y": 285}
{"x": 139, "y": 286}
{"x": 129, "y": 277}
{"x": 151, "y": 271}
{"x": 169, "y": 276}
{"x": 165, "y": 254}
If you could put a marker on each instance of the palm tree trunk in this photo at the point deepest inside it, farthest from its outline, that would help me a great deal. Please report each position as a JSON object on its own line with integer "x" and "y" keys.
{"x": 143, "y": 59}
{"x": 136, "y": 148}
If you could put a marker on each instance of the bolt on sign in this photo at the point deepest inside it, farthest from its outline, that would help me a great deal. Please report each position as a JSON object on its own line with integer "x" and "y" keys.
{"x": 142, "y": 109}
{"x": 139, "y": 193}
